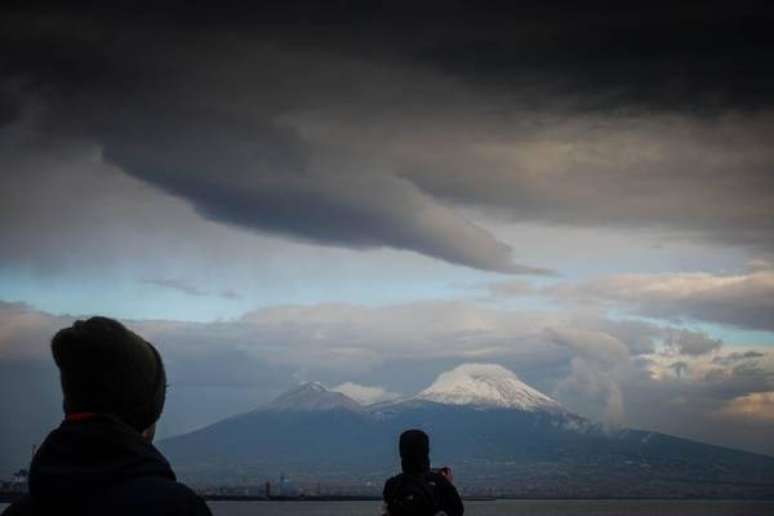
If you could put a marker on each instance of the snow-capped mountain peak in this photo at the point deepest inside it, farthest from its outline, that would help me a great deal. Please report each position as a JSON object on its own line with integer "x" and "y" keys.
{"x": 313, "y": 396}
{"x": 486, "y": 385}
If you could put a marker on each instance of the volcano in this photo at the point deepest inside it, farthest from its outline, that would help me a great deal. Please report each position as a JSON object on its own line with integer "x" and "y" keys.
{"x": 500, "y": 436}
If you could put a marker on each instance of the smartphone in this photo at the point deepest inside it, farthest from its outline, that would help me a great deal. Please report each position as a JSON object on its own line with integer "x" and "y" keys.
{"x": 444, "y": 471}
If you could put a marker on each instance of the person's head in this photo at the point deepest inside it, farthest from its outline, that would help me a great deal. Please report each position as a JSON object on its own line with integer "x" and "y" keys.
{"x": 107, "y": 369}
{"x": 414, "y": 446}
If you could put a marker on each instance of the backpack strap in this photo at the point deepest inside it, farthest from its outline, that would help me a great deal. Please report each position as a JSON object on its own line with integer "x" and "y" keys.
{"x": 431, "y": 488}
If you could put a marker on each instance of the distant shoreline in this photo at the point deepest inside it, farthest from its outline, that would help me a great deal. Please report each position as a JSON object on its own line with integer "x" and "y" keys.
{"x": 10, "y": 497}
{"x": 344, "y": 498}
{"x": 250, "y": 498}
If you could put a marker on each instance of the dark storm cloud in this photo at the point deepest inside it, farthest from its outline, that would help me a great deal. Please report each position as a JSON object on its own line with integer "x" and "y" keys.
{"x": 695, "y": 55}
{"x": 366, "y": 127}
{"x": 684, "y": 56}
{"x": 265, "y": 180}
{"x": 202, "y": 124}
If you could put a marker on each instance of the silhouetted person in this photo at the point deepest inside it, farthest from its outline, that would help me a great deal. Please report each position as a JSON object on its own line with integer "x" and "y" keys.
{"x": 420, "y": 491}
{"x": 100, "y": 460}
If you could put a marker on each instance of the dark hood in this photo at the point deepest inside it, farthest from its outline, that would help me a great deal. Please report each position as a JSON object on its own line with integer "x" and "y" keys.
{"x": 414, "y": 446}
{"x": 84, "y": 457}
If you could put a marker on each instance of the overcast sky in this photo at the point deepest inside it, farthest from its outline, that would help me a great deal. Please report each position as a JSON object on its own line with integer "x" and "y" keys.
{"x": 369, "y": 197}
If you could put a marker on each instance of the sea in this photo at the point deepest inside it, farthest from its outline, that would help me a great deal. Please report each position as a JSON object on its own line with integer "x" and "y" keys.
{"x": 504, "y": 507}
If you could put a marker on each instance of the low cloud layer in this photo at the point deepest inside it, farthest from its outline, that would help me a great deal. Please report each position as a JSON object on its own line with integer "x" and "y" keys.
{"x": 743, "y": 300}
{"x": 365, "y": 394}
{"x": 759, "y": 406}
{"x": 179, "y": 285}
{"x": 619, "y": 372}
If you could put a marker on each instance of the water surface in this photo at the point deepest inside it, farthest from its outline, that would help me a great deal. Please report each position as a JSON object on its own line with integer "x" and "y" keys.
{"x": 503, "y": 507}
{"x": 516, "y": 507}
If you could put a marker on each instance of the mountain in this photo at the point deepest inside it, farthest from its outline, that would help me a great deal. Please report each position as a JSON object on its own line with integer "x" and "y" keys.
{"x": 486, "y": 386}
{"x": 500, "y": 435}
{"x": 313, "y": 396}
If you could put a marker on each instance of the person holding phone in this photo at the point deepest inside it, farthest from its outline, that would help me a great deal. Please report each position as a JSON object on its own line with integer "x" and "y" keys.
{"x": 420, "y": 490}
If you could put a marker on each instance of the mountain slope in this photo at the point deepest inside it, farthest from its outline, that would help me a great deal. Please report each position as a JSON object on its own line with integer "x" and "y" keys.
{"x": 313, "y": 396}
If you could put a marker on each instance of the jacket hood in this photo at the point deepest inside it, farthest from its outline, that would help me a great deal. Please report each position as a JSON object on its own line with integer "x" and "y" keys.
{"x": 414, "y": 446}
{"x": 83, "y": 457}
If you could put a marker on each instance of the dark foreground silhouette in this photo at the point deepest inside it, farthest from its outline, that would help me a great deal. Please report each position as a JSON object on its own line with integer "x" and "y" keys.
{"x": 418, "y": 490}
{"x": 100, "y": 460}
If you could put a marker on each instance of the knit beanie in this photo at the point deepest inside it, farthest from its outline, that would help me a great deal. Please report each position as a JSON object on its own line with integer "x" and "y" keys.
{"x": 414, "y": 448}
{"x": 107, "y": 369}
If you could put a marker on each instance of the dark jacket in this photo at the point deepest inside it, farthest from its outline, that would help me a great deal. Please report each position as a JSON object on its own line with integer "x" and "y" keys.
{"x": 449, "y": 500}
{"x": 102, "y": 466}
